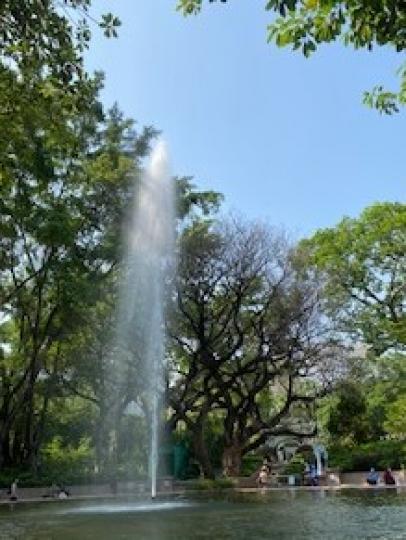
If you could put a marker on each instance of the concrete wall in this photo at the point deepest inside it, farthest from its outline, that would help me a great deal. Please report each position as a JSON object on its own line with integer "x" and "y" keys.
{"x": 333, "y": 478}
{"x": 96, "y": 490}
{"x": 359, "y": 478}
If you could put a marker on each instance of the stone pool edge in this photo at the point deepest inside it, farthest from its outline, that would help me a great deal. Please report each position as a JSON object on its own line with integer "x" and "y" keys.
{"x": 182, "y": 492}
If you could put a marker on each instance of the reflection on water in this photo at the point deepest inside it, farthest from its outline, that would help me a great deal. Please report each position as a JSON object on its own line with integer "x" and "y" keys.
{"x": 290, "y": 515}
{"x": 131, "y": 507}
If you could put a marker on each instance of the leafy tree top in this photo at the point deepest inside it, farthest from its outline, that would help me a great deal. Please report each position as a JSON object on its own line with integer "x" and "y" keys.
{"x": 50, "y": 33}
{"x": 364, "y": 262}
{"x": 305, "y": 24}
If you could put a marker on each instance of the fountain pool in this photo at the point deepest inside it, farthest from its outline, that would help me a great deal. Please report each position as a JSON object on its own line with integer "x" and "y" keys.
{"x": 341, "y": 515}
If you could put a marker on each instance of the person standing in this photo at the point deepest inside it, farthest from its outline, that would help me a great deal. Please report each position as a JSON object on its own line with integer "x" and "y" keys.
{"x": 314, "y": 479}
{"x": 13, "y": 490}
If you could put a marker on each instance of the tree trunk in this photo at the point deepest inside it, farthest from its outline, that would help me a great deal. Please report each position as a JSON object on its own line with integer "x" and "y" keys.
{"x": 5, "y": 458}
{"x": 29, "y": 423}
{"x": 17, "y": 456}
{"x": 201, "y": 452}
{"x": 231, "y": 460}
{"x": 101, "y": 438}
{"x": 5, "y": 424}
{"x": 5, "y": 454}
{"x": 37, "y": 433}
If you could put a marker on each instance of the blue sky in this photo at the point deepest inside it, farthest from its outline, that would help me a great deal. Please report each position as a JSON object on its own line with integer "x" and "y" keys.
{"x": 284, "y": 138}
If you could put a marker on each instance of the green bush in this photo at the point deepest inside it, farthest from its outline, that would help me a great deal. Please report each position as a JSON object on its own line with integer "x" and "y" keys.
{"x": 206, "y": 484}
{"x": 395, "y": 418}
{"x": 25, "y": 478}
{"x": 296, "y": 465}
{"x": 67, "y": 462}
{"x": 59, "y": 464}
{"x": 379, "y": 454}
{"x": 45, "y": 478}
{"x": 250, "y": 464}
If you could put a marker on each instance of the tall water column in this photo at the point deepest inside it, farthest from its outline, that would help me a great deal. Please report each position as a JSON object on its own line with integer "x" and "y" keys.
{"x": 147, "y": 264}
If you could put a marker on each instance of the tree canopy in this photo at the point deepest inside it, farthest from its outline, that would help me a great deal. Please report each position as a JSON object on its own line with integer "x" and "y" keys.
{"x": 50, "y": 33}
{"x": 306, "y": 24}
{"x": 247, "y": 340}
{"x": 364, "y": 263}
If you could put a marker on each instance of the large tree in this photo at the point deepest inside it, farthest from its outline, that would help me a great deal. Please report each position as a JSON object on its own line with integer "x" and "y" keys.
{"x": 364, "y": 264}
{"x": 248, "y": 340}
{"x": 65, "y": 187}
{"x": 305, "y": 24}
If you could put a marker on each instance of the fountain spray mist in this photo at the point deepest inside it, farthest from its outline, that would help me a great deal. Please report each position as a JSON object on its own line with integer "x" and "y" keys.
{"x": 147, "y": 264}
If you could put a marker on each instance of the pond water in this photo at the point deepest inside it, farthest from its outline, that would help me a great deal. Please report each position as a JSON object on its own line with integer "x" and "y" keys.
{"x": 353, "y": 514}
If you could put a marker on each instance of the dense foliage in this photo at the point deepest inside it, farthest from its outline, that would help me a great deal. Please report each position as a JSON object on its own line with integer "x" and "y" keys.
{"x": 68, "y": 172}
{"x": 51, "y": 35}
{"x": 364, "y": 264}
{"x": 363, "y": 421}
{"x": 377, "y": 454}
{"x": 64, "y": 189}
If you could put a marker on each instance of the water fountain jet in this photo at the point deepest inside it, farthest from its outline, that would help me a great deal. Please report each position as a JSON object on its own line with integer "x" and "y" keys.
{"x": 147, "y": 264}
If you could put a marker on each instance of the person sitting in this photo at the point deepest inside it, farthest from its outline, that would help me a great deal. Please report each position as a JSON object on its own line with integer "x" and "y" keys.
{"x": 267, "y": 464}
{"x": 63, "y": 493}
{"x": 388, "y": 478}
{"x": 262, "y": 479}
{"x": 373, "y": 477}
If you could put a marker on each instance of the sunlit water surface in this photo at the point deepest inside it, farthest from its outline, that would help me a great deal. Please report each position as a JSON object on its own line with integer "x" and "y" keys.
{"x": 368, "y": 514}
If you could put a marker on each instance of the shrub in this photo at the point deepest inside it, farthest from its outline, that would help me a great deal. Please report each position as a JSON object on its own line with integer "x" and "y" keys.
{"x": 378, "y": 454}
{"x": 206, "y": 484}
{"x": 296, "y": 465}
{"x": 395, "y": 418}
{"x": 67, "y": 463}
{"x": 250, "y": 464}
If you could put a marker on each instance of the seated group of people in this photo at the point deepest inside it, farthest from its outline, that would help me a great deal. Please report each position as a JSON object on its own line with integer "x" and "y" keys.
{"x": 311, "y": 477}
{"x": 373, "y": 477}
